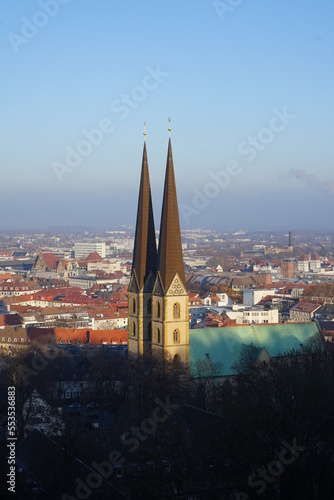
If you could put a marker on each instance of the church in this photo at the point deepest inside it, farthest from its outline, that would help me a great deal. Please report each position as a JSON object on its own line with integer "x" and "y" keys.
{"x": 158, "y": 322}
{"x": 158, "y": 302}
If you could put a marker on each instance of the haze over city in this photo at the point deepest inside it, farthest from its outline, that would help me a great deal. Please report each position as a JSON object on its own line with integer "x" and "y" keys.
{"x": 222, "y": 73}
{"x": 167, "y": 250}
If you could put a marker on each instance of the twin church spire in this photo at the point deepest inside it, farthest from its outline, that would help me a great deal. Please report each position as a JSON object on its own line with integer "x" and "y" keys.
{"x": 158, "y": 321}
{"x": 169, "y": 258}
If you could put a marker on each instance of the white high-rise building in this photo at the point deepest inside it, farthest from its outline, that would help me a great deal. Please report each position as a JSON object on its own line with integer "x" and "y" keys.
{"x": 82, "y": 250}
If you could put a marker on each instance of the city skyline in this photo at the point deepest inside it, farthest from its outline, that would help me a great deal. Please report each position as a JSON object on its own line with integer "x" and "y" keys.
{"x": 248, "y": 87}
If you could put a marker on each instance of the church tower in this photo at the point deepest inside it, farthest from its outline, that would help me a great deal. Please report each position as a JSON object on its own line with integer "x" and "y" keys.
{"x": 170, "y": 301}
{"x": 144, "y": 265}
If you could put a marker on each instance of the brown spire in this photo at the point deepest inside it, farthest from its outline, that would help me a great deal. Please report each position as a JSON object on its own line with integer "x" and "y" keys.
{"x": 170, "y": 257}
{"x": 145, "y": 249}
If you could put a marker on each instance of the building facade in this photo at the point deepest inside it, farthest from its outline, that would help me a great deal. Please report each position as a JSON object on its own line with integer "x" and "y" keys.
{"x": 82, "y": 249}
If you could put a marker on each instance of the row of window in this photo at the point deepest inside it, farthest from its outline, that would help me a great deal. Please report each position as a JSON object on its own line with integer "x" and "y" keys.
{"x": 78, "y": 342}
{"x": 176, "y": 333}
{"x": 9, "y": 339}
{"x": 176, "y": 309}
{"x": 12, "y": 288}
{"x": 256, "y": 314}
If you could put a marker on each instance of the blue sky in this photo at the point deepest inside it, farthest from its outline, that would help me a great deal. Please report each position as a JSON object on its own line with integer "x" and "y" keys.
{"x": 223, "y": 73}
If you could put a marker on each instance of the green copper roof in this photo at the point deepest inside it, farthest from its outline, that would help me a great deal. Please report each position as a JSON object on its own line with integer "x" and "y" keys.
{"x": 224, "y": 345}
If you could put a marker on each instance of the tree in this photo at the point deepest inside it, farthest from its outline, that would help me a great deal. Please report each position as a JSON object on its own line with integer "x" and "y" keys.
{"x": 286, "y": 407}
{"x": 154, "y": 377}
{"x": 247, "y": 358}
{"x": 29, "y": 368}
{"x": 107, "y": 374}
{"x": 205, "y": 374}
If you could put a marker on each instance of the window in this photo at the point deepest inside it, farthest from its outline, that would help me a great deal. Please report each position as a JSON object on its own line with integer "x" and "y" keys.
{"x": 165, "y": 466}
{"x": 149, "y": 306}
{"x": 158, "y": 335}
{"x": 15, "y": 340}
{"x": 118, "y": 471}
{"x": 134, "y": 306}
{"x": 149, "y": 331}
{"x": 176, "y": 311}
{"x": 133, "y": 329}
{"x": 158, "y": 311}
{"x": 176, "y": 359}
{"x": 176, "y": 336}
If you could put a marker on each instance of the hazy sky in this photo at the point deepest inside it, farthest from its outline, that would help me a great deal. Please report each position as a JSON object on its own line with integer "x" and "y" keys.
{"x": 248, "y": 85}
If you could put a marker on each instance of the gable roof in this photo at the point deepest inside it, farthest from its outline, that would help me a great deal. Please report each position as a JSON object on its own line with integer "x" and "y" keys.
{"x": 305, "y": 306}
{"x": 50, "y": 259}
{"x": 224, "y": 345}
{"x": 81, "y": 335}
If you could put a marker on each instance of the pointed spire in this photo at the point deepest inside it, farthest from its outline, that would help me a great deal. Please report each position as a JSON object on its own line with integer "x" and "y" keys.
{"x": 170, "y": 257}
{"x": 145, "y": 250}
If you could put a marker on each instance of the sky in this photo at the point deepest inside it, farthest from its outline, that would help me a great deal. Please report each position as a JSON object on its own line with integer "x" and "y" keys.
{"x": 248, "y": 85}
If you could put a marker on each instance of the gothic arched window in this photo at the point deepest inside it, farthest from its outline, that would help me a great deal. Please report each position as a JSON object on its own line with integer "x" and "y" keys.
{"x": 176, "y": 311}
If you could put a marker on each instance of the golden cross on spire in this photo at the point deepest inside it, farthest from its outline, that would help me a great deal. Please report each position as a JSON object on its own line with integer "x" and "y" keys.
{"x": 144, "y": 131}
{"x": 169, "y": 128}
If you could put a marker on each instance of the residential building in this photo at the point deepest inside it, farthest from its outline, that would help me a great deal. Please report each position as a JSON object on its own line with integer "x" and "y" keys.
{"x": 303, "y": 311}
{"x": 40, "y": 415}
{"x": 253, "y": 296}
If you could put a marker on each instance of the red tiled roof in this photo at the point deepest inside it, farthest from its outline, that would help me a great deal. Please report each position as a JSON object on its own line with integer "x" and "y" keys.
{"x": 13, "y": 335}
{"x": 6, "y": 253}
{"x": 80, "y": 335}
{"x": 305, "y": 306}
{"x": 5, "y": 276}
{"x": 303, "y": 258}
{"x": 51, "y": 260}
{"x": 94, "y": 257}
{"x": 10, "y": 320}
